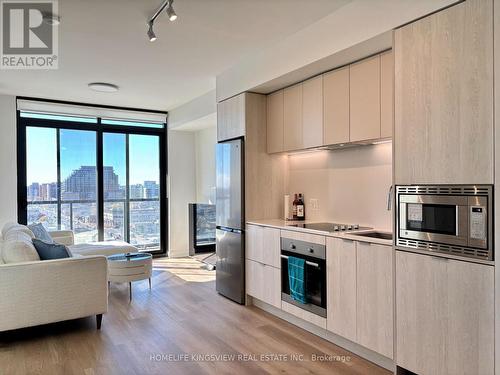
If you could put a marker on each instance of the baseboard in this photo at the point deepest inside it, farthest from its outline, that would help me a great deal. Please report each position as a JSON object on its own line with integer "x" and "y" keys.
{"x": 357, "y": 349}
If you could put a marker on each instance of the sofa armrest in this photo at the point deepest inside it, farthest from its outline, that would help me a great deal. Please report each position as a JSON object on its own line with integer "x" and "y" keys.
{"x": 34, "y": 293}
{"x": 64, "y": 237}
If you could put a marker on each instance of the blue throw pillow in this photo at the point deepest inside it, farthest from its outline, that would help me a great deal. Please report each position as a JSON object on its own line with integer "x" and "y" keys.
{"x": 41, "y": 233}
{"x": 48, "y": 251}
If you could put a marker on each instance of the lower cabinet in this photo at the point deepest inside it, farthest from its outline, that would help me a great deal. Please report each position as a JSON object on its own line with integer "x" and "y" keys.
{"x": 375, "y": 298}
{"x": 445, "y": 315}
{"x": 341, "y": 287}
{"x": 360, "y": 293}
{"x": 263, "y": 282}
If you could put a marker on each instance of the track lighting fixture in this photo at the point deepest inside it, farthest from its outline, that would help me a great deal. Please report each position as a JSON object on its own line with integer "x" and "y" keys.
{"x": 172, "y": 16}
{"x": 151, "y": 33}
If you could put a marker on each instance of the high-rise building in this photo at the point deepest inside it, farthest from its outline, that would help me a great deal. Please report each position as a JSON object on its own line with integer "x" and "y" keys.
{"x": 82, "y": 184}
{"x": 151, "y": 189}
{"x": 136, "y": 191}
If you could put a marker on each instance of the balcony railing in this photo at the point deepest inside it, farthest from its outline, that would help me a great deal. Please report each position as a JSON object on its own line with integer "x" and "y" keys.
{"x": 137, "y": 222}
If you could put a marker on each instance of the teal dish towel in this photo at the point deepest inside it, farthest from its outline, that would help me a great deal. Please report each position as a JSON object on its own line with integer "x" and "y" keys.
{"x": 296, "y": 279}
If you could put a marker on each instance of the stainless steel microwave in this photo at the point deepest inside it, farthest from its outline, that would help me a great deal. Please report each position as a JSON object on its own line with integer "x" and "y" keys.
{"x": 452, "y": 219}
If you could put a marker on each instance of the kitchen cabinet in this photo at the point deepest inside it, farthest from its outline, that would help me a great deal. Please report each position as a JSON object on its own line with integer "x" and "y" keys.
{"x": 445, "y": 315}
{"x": 292, "y": 118}
{"x": 263, "y": 276}
{"x": 364, "y": 98}
{"x": 312, "y": 112}
{"x": 336, "y": 106}
{"x": 374, "y": 297}
{"x": 231, "y": 118}
{"x": 263, "y": 282}
{"x": 275, "y": 122}
{"x": 386, "y": 94}
{"x": 444, "y": 97}
{"x": 341, "y": 287}
{"x": 263, "y": 245}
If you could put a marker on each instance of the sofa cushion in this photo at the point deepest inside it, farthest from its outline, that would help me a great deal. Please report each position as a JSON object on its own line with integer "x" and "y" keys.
{"x": 47, "y": 251}
{"x": 17, "y": 248}
{"x": 102, "y": 248}
{"x": 15, "y": 227}
{"x": 41, "y": 233}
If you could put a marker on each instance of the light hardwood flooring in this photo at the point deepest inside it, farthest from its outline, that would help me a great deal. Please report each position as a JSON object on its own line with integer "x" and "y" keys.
{"x": 182, "y": 314}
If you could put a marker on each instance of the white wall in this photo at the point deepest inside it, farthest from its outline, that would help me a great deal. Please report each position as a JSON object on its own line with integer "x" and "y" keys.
{"x": 181, "y": 188}
{"x": 205, "y": 143}
{"x": 8, "y": 166}
{"x": 351, "y": 185}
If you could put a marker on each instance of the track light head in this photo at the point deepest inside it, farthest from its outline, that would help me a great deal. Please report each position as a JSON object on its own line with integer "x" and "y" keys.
{"x": 172, "y": 16}
{"x": 151, "y": 33}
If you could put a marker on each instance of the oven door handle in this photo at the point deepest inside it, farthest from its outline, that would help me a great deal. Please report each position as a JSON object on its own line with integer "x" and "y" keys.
{"x": 307, "y": 262}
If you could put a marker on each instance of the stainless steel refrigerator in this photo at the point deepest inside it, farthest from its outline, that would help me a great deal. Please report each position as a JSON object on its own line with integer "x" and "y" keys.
{"x": 230, "y": 220}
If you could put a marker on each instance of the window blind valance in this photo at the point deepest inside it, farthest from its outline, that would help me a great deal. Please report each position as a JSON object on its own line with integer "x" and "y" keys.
{"x": 36, "y": 106}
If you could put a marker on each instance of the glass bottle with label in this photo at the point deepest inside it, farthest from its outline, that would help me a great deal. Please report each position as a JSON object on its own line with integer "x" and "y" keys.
{"x": 301, "y": 211}
{"x": 294, "y": 207}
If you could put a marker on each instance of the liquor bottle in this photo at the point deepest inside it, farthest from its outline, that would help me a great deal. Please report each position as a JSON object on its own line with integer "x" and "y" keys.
{"x": 294, "y": 207}
{"x": 301, "y": 212}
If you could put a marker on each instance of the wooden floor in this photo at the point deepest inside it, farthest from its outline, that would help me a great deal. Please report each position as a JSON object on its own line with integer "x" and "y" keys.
{"x": 181, "y": 316}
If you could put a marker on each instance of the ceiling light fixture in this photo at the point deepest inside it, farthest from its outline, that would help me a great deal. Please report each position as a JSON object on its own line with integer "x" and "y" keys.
{"x": 151, "y": 33}
{"x": 172, "y": 16}
{"x": 103, "y": 87}
{"x": 51, "y": 19}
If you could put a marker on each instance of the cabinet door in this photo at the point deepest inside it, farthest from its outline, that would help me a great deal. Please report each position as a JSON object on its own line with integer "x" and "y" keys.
{"x": 231, "y": 118}
{"x": 312, "y": 112}
{"x": 444, "y": 315}
{"x": 275, "y": 122}
{"x": 336, "y": 106}
{"x": 292, "y": 117}
{"x": 386, "y": 94}
{"x": 365, "y": 99}
{"x": 271, "y": 245}
{"x": 271, "y": 286}
{"x": 254, "y": 243}
{"x": 254, "y": 274}
{"x": 375, "y": 323}
{"x": 444, "y": 97}
{"x": 341, "y": 287}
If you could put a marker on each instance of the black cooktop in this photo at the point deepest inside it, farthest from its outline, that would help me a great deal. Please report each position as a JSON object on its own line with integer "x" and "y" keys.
{"x": 329, "y": 227}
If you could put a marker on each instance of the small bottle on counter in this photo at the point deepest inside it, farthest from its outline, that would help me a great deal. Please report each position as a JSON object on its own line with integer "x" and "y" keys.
{"x": 294, "y": 207}
{"x": 301, "y": 209}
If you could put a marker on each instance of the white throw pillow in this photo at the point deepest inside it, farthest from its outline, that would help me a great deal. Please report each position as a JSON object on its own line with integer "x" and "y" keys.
{"x": 18, "y": 247}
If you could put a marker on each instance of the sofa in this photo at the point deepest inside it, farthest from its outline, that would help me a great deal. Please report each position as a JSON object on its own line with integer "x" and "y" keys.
{"x": 35, "y": 292}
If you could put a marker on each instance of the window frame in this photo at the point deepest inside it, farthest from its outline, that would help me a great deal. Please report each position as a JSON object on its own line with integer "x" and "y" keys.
{"x": 100, "y": 129}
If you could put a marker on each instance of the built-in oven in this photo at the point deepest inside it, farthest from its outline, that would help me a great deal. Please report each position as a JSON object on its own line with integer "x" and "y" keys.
{"x": 314, "y": 256}
{"x": 452, "y": 219}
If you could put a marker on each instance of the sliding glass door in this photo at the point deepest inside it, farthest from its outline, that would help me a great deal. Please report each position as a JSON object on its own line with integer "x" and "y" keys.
{"x": 103, "y": 181}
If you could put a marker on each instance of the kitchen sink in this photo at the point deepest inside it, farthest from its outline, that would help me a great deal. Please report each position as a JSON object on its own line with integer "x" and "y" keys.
{"x": 380, "y": 235}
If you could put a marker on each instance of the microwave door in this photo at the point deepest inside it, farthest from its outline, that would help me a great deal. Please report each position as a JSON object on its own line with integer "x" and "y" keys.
{"x": 434, "y": 222}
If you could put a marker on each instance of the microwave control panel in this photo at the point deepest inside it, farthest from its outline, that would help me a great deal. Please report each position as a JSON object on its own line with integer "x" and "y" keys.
{"x": 478, "y": 223}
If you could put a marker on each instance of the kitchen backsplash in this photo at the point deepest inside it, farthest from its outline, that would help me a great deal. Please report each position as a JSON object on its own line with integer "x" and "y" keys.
{"x": 350, "y": 185}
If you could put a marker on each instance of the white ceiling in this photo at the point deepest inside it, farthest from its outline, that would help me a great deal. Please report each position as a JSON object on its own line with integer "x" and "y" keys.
{"x": 105, "y": 41}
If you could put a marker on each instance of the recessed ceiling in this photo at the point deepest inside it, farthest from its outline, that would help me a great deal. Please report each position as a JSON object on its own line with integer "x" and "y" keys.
{"x": 105, "y": 41}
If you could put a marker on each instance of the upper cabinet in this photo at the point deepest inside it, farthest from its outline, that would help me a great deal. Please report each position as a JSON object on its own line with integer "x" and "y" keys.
{"x": 386, "y": 94}
{"x": 312, "y": 112}
{"x": 336, "y": 106}
{"x": 275, "y": 122}
{"x": 365, "y": 99}
{"x": 350, "y": 104}
{"x": 444, "y": 97}
{"x": 231, "y": 118}
{"x": 292, "y": 117}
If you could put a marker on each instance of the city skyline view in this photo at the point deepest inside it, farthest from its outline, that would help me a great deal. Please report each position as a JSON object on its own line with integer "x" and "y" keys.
{"x": 75, "y": 207}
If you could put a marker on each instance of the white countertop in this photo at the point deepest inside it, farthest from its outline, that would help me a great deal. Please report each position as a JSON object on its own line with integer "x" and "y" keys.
{"x": 285, "y": 225}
